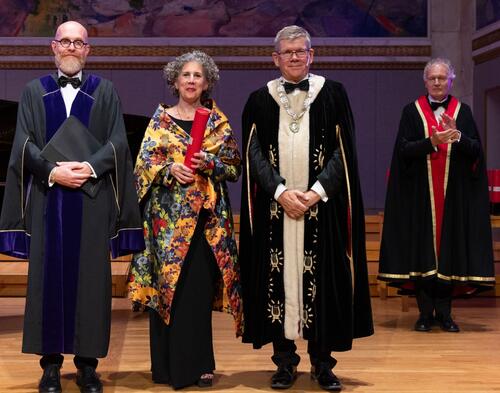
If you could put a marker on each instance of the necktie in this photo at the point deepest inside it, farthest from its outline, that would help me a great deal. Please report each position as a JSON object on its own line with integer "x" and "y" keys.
{"x": 63, "y": 81}
{"x": 302, "y": 85}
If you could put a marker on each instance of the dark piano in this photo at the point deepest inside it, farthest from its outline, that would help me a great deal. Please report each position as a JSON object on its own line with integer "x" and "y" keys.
{"x": 134, "y": 124}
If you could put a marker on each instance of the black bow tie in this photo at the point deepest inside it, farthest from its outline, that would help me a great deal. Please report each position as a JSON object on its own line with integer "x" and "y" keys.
{"x": 302, "y": 85}
{"x": 63, "y": 81}
{"x": 435, "y": 105}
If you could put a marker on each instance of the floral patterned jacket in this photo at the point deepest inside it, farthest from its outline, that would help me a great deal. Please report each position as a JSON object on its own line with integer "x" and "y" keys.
{"x": 171, "y": 212}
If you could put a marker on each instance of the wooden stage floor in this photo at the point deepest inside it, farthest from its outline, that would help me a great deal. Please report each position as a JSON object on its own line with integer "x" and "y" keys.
{"x": 396, "y": 359}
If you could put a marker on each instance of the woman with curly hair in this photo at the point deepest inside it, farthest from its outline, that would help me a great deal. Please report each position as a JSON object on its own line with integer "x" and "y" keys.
{"x": 190, "y": 264}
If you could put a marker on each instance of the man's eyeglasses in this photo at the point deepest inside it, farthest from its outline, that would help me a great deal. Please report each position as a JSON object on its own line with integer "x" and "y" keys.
{"x": 66, "y": 43}
{"x": 301, "y": 54}
{"x": 439, "y": 79}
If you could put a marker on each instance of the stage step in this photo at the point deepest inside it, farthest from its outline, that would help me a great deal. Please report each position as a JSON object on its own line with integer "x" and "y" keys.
{"x": 13, "y": 272}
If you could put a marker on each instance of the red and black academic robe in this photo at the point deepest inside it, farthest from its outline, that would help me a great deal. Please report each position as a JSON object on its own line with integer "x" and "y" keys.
{"x": 336, "y": 296}
{"x": 66, "y": 234}
{"x": 436, "y": 218}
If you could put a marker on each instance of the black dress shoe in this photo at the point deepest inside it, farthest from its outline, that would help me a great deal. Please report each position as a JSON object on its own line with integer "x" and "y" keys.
{"x": 448, "y": 325}
{"x": 51, "y": 379}
{"x": 423, "y": 324}
{"x": 284, "y": 377}
{"x": 323, "y": 374}
{"x": 88, "y": 381}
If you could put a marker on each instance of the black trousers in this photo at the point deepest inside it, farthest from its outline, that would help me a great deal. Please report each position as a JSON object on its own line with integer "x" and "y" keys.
{"x": 285, "y": 353}
{"x": 433, "y": 298}
{"x": 183, "y": 351}
{"x": 57, "y": 358}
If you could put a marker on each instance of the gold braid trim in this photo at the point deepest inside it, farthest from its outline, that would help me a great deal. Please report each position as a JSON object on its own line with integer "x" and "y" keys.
{"x": 346, "y": 170}
{"x": 486, "y": 280}
{"x": 247, "y": 159}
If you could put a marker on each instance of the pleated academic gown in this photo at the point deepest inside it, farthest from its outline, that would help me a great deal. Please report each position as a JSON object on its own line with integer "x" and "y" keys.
{"x": 66, "y": 234}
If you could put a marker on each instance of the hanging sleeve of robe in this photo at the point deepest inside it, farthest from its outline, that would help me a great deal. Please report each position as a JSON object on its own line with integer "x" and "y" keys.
{"x": 66, "y": 234}
{"x": 436, "y": 219}
{"x": 336, "y": 297}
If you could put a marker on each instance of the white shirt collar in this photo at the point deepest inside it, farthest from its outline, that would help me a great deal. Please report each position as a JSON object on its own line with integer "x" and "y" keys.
{"x": 433, "y": 100}
{"x": 306, "y": 77}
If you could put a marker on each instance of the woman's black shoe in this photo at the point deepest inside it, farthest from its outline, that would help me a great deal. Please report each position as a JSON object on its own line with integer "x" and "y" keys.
{"x": 206, "y": 380}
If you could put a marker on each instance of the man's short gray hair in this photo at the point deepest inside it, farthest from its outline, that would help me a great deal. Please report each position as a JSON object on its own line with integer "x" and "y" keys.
{"x": 210, "y": 70}
{"x": 290, "y": 33}
{"x": 442, "y": 61}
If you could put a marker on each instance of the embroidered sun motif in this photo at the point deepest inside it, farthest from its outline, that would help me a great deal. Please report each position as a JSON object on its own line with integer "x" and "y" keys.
{"x": 275, "y": 309}
{"x": 318, "y": 157}
{"x": 272, "y": 156}
{"x": 313, "y": 212}
{"x": 311, "y": 291}
{"x": 309, "y": 262}
{"x": 270, "y": 288}
{"x": 274, "y": 210}
{"x": 307, "y": 316}
{"x": 276, "y": 260}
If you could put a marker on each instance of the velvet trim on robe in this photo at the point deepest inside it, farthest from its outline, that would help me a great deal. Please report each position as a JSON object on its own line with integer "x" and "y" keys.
{"x": 62, "y": 228}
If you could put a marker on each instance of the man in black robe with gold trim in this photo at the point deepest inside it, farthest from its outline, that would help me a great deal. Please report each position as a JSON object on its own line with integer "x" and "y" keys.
{"x": 65, "y": 216}
{"x": 302, "y": 243}
{"x": 436, "y": 239}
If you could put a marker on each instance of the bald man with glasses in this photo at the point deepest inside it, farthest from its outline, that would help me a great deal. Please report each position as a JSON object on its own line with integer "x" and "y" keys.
{"x": 69, "y": 201}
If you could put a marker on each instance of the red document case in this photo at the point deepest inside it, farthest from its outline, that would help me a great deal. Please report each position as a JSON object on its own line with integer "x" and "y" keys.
{"x": 197, "y": 132}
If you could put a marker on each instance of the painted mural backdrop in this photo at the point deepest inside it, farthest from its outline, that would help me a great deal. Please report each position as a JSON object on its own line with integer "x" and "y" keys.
{"x": 216, "y": 18}
{"x": 487, "y": 12}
